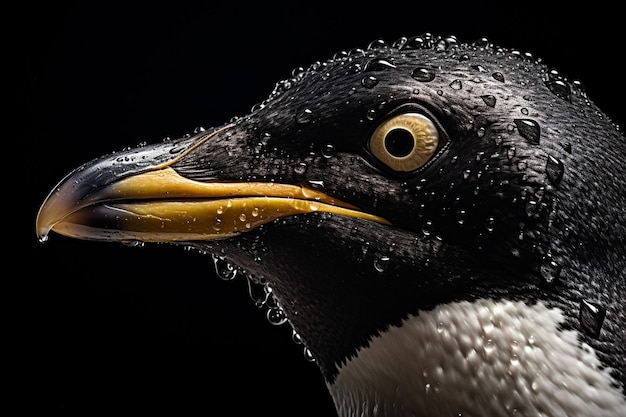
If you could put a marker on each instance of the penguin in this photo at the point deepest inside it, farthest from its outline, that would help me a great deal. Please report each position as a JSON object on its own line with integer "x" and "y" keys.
{"x": 441, "y": 223}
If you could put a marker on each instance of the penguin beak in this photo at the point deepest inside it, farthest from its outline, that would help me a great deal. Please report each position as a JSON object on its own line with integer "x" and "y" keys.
{"x": 137, "y": 196}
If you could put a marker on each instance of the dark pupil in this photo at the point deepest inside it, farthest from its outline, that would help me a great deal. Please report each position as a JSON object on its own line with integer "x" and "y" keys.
{"x": 399, "y": 142}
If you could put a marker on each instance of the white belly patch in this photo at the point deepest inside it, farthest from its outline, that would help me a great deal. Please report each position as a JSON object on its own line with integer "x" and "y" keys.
{"x": 478, "y": 359}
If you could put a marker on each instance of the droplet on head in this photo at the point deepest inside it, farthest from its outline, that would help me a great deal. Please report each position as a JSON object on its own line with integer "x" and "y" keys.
{"x": 498, "y": 76}
{"x": 354, "y": 68}
{"x": 423, "y": 74}
{"x": 224, "y": 269}
{"x": 328, "y": 150}
{"x": 296, "y": 337}
{"x": 567, "y": 147}
{"x": 461, "y": 216}
{"x": 308, "y": 355}
{"x": 554, "y": 170}
{"x": 257, "y": 293}
{"x": 378, "y": 65}
{"x": 550, "y": 270}
{"x": 381, "y": 263}
{"x": 276, "y": 316}
{"x": 529, "y": 130}
{"x": 456, "y": 85}
{"x": 300, "y": 168}
{"x": 591, "y": 317}
{"x": 489, "y": 100}
{"x": 490, "y": 224}
{"x": 427, "y": 228}
{"x": 560, "y": 88}
{"x": 369, "y": 82}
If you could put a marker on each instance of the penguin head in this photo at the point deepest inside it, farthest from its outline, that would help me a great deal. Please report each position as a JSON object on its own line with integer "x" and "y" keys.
{"x": 383, "y": 184}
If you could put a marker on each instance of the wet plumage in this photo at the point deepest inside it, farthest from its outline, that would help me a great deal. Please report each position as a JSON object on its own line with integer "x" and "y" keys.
{"x": 400, "y": 185}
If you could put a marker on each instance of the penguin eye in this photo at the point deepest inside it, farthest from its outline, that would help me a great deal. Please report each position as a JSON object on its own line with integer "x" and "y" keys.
{"x": 405, "y": 142}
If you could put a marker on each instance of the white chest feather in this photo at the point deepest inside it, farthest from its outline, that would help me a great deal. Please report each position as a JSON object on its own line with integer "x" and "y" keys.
{"x": 478, "y": 359}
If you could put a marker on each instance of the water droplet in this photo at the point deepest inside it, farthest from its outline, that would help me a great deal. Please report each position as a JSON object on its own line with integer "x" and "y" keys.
{"x": 420, "y": 42}
{"x": 550, "y": 270}
{"x": 340, "y": 55}
{"x": 479, "y": 68}
{"x": 308, "y": 355}
{"x": 224, "y": 269}
{"x": 456, "y": 85}
{"x": 242, "y": 217}
{"x": 524, "y": 111}
{"x": 255, "y": 212}
{"x": 442, "y": 45}
{"x": 177, "y": 149}
{"x": 257, "y": 293}
{"x": 316, "y": 185}
{"x": 354, "y": 68}
{"x": 529, "y": 130}
{"x": 567, "y": 147}
{"x": 381, "y": 263}
{"x": 133, "y": 243}
{"x": 265, "y": 137}
{"x": 498, "y": 76}
{"x": 427, "y": 228}
{"x": 560, "y": 88}
{"x": 510, "y": 152}
{"x": 304, "y": 116}
{"x": 300, "y": 168}
{"x": 377, "y": 44}
{"x": 371, "y": 114}
{"x": 423, "y": 74}
{"x": 461, "y": 215}
{"x": 554, "y": 170}
{"x": 489, "y": 346}
{"x": 43, "y": 238}
{"x": 369, "y": 82}
{"x": 489, "y": 100}
{"x": 378, "y": 65}
{"x": 297, "y": 72}
{"x": 276, "y": 316}
{"x": 328, "y": 150}
{"x": 296, "y": 337}
{"x": 490, "y": 224}
{"x": 482, "y": 43}
{"x": 217, "y": 224}
{"x": 399, "y": 43}
{"x": 591, "y": 317}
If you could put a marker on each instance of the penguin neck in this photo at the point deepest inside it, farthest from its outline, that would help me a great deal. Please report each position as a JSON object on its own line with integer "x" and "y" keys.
{"x": 467, "y": 358}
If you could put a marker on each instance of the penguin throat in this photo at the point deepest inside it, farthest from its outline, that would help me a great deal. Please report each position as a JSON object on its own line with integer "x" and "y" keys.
{"x": 495, "y": 358}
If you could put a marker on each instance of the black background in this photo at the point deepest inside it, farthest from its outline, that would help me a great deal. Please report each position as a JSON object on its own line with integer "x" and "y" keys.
{"x": 103, "y": 327}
